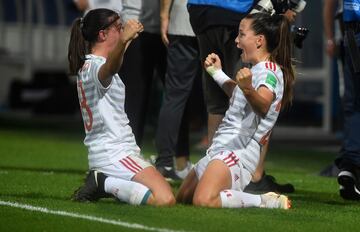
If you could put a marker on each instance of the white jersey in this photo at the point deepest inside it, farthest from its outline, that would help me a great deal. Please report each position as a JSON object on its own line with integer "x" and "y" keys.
{"x": 109, "y": 138}
{"x": 242, "y": 127}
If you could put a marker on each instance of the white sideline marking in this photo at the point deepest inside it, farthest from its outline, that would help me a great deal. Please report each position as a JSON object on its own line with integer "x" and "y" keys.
{"x": 84, "y": 216}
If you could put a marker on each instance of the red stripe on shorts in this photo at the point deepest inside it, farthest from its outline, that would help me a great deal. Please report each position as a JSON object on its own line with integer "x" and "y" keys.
{"x": 133, "y": 162}
{"x": 229, "y": 157}
{"x": 231, "y": 160}
{"x": 126, "y": 160}
{"x": 234, "y": 163}
{"x": 128, "y": 165}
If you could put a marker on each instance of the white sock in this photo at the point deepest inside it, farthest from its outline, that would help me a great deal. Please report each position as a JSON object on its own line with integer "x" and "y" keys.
{"x": 237, "y": 199}
{"x": 128, "y": 191}
{"x": 183, "y": 173}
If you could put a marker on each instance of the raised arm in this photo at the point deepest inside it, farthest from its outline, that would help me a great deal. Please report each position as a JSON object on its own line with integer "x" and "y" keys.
{"x": 114, "y": 61}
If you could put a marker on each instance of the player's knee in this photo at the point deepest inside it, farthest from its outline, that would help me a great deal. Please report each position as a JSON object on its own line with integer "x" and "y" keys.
{"x": 165, "y": 200}
{"x": 203, "y": 200}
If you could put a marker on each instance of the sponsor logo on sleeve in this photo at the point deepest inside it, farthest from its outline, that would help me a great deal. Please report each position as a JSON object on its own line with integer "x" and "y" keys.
{"x": 271, "y": 80}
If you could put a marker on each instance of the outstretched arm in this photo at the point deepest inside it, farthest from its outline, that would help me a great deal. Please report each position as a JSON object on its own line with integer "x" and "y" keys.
{"x": 212, "y": 65}
{"x": 260, "y": 99}
{"x": 114, "y": 61}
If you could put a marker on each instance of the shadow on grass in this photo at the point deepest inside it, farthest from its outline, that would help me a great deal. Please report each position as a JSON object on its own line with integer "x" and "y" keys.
{"x": 326, "y": 198}
{"x": 35, "y": 195}
{"x": 37, "y": 169}
{"x": 42, "y": 196}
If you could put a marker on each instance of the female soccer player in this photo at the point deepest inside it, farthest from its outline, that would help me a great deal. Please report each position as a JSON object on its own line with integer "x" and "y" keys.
{"x": 257, "y": 96}
{"x": 96, "y": 49}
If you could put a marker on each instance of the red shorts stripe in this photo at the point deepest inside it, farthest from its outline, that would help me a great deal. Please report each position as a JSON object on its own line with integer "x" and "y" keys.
{"x": 231, "y": 156}
{"x": 126, "y": 166}
{"x": 134, "y": 163}
{"x": 129, "y": 165}
{"x": 234, "y": 163}
{"x": 231, "y": 160}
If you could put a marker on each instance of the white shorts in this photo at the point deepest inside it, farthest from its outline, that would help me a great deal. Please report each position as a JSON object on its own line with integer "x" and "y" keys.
{"x": 125, "y": 168}
{"x": 240, "y": 176}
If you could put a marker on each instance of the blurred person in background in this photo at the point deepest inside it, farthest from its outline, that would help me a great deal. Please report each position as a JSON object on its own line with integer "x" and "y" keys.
{"x": 182, "y": 69}
{"x": 86, "y": 5}
{"x": 349, "y": 158}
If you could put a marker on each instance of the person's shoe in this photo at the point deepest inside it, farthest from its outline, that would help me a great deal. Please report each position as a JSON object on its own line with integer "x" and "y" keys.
{"x": 93, "y": 188}
{"x": 268, "y": 183}
{"x": 152, "y": 159}
{"x": 168, "y": 173}
{"x": 183, "y": 173}
{"x": 274, "y": 201}
{"x": 348, "y": 188}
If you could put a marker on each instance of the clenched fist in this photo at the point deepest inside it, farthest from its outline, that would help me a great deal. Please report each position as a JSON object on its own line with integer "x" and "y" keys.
{"x": 212, "y": 63}
{"x": 132, "y": 29}
{"x": 244, "y": 79}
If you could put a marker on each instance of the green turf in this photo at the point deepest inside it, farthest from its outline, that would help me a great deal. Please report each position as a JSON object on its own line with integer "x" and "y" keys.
{"x": 43, "y": 167}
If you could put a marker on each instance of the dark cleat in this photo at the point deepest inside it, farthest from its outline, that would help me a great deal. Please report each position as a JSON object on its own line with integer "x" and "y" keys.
{"x": 93, "y": 188}
{"x": 168, "y": 173}
{"x": 348, "y": 188}
{"x": 268, "y": 183}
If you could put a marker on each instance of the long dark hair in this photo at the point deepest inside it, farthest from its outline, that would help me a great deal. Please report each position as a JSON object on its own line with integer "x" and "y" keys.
{"x": 276, "y": 29}
{"x": 84, "y": 34}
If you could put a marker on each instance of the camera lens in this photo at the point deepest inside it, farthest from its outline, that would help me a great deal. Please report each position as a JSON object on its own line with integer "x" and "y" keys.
{"x": 299, "y": 35}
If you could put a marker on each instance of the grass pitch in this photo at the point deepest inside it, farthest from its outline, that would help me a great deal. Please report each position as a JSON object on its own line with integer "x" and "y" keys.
{"x": 40, "y": 168}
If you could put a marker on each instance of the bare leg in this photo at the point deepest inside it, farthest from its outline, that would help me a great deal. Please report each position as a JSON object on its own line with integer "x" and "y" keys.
{"x": 215, "y": 179}
{"x": 160, "y": 189}
{"x": 261, "y": 165}
{"x": 264, "y": 183}
{"x": 187, "y": 188}
{"x": 214, "y": 121}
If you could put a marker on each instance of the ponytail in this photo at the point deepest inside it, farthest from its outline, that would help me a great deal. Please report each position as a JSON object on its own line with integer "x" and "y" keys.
{"x": 76, "y": 48}
{"x": 276, "y": 29}
{"x": 282, "y": 56}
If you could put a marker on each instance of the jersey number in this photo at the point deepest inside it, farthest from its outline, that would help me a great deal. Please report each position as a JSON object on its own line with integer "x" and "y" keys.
{"x": 85, "y": 106}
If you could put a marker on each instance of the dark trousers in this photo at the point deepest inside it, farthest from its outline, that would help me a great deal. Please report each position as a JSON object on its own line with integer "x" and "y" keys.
{"x": 219, "y": 40}
{"x": 144, "y": 58}
{"x": 182, "y": 68}
{"x": 350, "y": 151}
